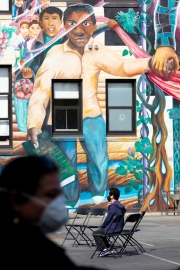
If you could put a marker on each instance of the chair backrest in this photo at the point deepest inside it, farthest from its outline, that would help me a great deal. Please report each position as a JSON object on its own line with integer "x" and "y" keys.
{"x": 98, "y": 211}
{"x": 133, "y": 218}
{"x": 114, "y": 223}
{"x": 82, "y": 211}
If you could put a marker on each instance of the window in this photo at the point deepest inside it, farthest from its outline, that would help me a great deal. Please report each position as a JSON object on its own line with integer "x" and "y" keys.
{"x": 6, "y": 7}
{"x": 67, "y": 107}
{"x": 6, "y": 107}
{"x": 111, "y": 11}
{"x": 121, "y": 107}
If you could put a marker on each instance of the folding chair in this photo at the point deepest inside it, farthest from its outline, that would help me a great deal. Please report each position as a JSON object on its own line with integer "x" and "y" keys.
{"x": 111, "y": 237}
{"x": 94, "y": 212}
{"x": 127, "y": 234}
{"x": 74, "y": 229}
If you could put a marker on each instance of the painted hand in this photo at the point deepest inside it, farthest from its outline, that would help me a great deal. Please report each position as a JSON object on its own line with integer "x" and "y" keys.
{"x": 33, "y": 133}
{"x": 27, "y": 73}
{"x": 112, "y": 23}
{"x": 164, "y": 61}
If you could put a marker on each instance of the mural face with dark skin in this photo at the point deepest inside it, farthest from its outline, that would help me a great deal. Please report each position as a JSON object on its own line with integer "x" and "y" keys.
{"x": 82, "y": 30}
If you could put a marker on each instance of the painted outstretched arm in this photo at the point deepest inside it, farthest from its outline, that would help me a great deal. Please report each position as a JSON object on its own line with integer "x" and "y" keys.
{"x": 109, "y": 26}
{"x": 165, "y": 20}
{"x": 115, "y": 65}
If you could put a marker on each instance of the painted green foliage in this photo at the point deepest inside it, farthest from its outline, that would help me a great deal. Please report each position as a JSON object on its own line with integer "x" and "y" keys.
{"x": 141, "y": 119}
{"x": 132, "y": 22}
{"x": 133, "y": 165}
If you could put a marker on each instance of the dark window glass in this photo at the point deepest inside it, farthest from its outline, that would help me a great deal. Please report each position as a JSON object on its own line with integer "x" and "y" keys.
{"x": 66, "y": 102}
{"x": 67, "y": 107}
{"x": 66, "y": 119}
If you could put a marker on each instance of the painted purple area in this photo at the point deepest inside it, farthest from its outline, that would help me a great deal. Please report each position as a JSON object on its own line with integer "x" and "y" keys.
{"x": 144, "y": 134}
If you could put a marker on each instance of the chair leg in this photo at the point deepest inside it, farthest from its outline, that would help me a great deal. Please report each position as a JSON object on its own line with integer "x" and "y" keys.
{"x": 97, "y": 247}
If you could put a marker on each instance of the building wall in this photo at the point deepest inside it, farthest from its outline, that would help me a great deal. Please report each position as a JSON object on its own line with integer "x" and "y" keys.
{"x": 140, "y": 187}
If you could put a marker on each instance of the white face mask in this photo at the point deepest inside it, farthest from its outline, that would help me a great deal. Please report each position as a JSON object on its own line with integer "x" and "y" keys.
{"x": 54, "y": 215}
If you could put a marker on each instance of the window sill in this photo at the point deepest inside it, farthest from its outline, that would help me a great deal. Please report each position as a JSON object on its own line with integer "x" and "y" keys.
{"x": 67, "y": 139}
{"x": 122, "y": 138}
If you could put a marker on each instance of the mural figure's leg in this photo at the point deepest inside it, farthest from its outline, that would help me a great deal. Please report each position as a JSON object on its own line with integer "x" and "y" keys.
{"x": 95, "y": 147}
{"x": 72, "y": 189}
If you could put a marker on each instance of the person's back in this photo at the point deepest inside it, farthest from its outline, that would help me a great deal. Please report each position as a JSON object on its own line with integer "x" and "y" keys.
{"x": 115, "y": 208}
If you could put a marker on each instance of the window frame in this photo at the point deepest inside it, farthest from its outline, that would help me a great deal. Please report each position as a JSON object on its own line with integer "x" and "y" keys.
{"x": 79, "y": 114}
{"x": 133, "y": 131}
{"x": 7, "y": 12}
{"x": 9, "y": 94}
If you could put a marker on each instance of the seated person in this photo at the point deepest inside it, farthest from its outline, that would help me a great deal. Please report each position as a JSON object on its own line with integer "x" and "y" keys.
{"x": 115, "y": 208}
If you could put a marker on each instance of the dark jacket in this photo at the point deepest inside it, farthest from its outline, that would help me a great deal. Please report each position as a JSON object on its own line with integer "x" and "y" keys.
{"x": 114, "y": 209}
{"x": 23, "y": 246}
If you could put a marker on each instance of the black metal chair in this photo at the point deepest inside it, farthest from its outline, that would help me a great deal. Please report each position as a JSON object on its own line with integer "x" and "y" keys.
{"x": 111, "y": 237}
{"x": 96, "y": 212}
{"x": 74, "y": 229}
{"x": 128, "y": 234}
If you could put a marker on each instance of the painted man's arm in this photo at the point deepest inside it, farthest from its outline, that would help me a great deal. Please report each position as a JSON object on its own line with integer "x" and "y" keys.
{"x": 165, "y": 20}
{"x": 111, "y": 63}
{"x": 109, "y": 26}
{"x": 39, "y": 100}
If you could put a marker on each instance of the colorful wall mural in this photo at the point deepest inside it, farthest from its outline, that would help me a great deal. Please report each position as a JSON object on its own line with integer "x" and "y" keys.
{"x": 95, "y": 41}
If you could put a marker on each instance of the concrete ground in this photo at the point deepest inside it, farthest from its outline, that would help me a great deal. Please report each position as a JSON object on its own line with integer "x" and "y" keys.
{"x": 159, "y": 235}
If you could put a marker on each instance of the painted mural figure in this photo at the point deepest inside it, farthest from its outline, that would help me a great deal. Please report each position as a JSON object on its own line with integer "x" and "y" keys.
{"x": 34, "y": 30}
{"x": 18, "y": 7}
{"x": 43, "y": 4}
{"x": 50, "y": 21}
{"x": 70, "y": 60}
{"x": 165, "y": 21}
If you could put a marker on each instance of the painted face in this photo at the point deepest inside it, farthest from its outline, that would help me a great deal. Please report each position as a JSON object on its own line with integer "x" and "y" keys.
{"x": 35, "y": 17}
{"x": 18, "y": 3}
{"x": 51, "y": 24}
{"x": 34, "y": 30}
{"x": 83, "y": 28}
{"x": 24, "y": 30}
{"x": 45, "y": 3}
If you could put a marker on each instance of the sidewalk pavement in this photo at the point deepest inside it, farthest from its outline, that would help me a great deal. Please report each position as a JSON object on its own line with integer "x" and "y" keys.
{"x": 159, "y": 235}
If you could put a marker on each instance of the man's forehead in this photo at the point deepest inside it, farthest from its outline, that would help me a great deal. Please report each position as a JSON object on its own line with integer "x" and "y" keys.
{"x": 79, "y": 16}
{"x": 52, "y": 15}
{"x": 24, "y": 24}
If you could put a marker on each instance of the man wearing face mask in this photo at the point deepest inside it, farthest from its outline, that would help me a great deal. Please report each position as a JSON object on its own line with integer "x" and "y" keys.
{"x": 115, "y": 208}
{"x": 31, "y": 205}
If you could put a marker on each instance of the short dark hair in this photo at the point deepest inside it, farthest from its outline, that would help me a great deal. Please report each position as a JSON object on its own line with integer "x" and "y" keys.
{"x": 34, "y": 22}
{"x": 115, "y": 192}
{"x": 51, "y": 10}
{"x": 78, "y": 8}
{"x": 90, "y": 2}
{"x": 23, "y": 22}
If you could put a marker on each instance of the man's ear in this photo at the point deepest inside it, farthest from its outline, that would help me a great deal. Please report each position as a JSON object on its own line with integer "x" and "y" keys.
{"x": 16, "y": 205}
{"x": 95, "y": 27}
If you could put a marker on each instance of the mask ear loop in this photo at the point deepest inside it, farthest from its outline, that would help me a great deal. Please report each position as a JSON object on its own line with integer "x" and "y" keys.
{"x": 2, "y": 189}
{"x": 34, "y": 198}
